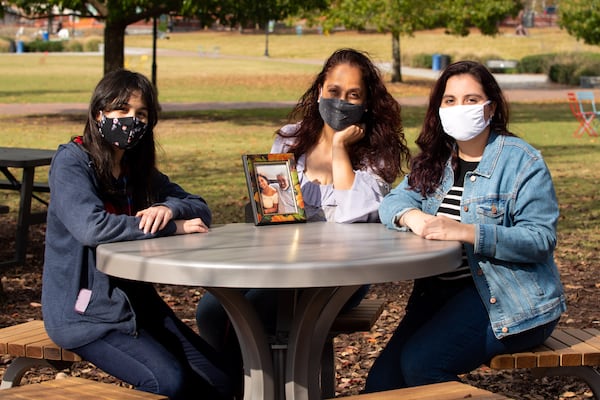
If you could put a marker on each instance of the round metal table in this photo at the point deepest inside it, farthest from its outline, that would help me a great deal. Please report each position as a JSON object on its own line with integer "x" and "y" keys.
{"x": 328, "y": 260}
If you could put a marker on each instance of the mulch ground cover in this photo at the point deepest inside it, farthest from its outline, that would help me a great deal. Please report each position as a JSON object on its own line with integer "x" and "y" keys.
{"x": 354, "y": 352}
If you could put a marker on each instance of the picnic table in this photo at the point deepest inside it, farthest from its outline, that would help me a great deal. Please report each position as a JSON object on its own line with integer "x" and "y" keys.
{"x": 28, "y": 160}
{"x": 315, "y": 268}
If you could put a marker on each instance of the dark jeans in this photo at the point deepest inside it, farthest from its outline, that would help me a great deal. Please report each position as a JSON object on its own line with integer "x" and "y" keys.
{"x": 165, "y": 357}
{"x": 445, "y": 332}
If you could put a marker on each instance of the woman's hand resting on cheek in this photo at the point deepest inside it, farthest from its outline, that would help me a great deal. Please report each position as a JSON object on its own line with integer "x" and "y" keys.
{"x": 349, "y": 136}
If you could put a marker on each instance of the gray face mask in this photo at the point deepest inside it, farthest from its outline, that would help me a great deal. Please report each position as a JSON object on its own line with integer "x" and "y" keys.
{"x": 340, "y": 114}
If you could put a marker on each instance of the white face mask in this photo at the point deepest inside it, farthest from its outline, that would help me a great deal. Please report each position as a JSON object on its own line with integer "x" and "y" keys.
{"x": 464, "y": 122}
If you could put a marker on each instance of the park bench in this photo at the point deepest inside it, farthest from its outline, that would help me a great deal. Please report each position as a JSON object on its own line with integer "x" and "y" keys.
{"x": 501, "y": 65}
{"x": 589, "y": 82}
{"x": 71, "y": 388}
{"x": 435, "y": 391}
{"x": 567, "y": 352}
{"x": 29, "y": 343}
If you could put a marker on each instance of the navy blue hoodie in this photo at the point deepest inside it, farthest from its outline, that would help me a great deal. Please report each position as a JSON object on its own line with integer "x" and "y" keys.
{"x": 77, "y": 222}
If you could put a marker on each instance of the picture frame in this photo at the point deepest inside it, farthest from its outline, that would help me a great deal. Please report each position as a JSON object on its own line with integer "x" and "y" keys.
{"x": 278, "y": 205}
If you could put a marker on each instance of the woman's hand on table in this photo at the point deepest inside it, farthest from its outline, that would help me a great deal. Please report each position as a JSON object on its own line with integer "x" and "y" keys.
{"x": 194, "y": 225}
{"x": 154, "y": 218}
{"x": 437, "y": 227}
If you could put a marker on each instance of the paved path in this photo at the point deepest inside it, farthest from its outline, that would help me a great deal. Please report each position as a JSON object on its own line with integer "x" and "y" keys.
{"x": 513, "y": 96}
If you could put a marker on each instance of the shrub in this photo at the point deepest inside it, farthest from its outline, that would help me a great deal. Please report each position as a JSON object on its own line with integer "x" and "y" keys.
{"x": 421, "y": 61}
{"x": 73, "y": 46}
{"x": 536, "y": 64}
{"x": 92, "y": 45}
{"x": 42, "y": 46}
{"x": 565, "y": 68}
{"x": 563, "y": 73}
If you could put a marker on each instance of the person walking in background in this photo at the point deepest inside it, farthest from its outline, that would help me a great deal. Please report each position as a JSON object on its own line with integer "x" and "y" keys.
{"x": 106, "y": 188}
{"x": 477, "y": 183}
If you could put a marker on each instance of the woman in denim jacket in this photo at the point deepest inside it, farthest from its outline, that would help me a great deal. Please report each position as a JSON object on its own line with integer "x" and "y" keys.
{"x": 477, "y": 183}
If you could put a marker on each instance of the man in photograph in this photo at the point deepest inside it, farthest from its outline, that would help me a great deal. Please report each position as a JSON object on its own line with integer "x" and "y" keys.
{"x": 287, "y": 202}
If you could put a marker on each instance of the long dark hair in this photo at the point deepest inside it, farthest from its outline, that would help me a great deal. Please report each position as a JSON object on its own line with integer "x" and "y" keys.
{"x": 139, "y": 162}
{"x": 383, "y": 148}
{"x": 436, "y": 146}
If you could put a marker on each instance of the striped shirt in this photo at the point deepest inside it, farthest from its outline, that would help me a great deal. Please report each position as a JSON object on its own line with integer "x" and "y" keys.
{"x": 450, "y": 207}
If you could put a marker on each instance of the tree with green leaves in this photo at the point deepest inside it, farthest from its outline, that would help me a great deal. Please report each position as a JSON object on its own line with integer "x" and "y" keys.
{"x": 116, "y": 14}
{"x": 581, "y": 19}
{"x": 404, "y": 17}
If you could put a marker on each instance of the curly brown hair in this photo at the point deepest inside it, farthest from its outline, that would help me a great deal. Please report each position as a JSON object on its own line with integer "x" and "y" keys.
{"x": 383, "y": 148}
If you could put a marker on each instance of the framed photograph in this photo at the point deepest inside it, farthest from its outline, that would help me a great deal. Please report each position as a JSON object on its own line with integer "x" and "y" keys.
{"x": 273, "y": 188}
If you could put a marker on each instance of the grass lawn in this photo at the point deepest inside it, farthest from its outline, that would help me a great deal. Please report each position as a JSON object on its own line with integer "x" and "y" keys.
{"x": 229, "y": 66}
{"x": 202, "y": 151}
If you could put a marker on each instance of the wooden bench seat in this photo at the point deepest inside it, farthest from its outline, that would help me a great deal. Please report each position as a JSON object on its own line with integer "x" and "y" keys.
{"x": 76, "y": 389}
{"x": 436, "y": 391}
{"x": 567, "y": 352}
{"x": 30, "y": 345}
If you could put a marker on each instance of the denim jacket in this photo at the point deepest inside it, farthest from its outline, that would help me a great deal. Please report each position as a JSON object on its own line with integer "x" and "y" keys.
{"x": 511, "y": 201}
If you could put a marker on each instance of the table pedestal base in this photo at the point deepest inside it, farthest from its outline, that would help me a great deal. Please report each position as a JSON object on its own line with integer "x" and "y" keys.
{"x": 279, "y": 371}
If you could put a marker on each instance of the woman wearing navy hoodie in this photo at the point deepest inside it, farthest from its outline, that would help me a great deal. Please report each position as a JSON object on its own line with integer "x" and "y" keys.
{"x": 105, "y": 188}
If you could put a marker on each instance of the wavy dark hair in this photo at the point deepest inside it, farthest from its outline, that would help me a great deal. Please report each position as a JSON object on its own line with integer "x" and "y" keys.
{"x": 436, "y": 146}
{"x": 114, "y": 90}
{"x": 383, "y": 148}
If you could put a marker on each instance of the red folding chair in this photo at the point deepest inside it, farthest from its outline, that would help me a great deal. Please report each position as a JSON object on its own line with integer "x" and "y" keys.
{"x": 585, "y": 118}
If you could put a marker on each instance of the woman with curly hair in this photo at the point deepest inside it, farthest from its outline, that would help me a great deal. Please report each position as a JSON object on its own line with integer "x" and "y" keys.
{"x": 347, "y": 139}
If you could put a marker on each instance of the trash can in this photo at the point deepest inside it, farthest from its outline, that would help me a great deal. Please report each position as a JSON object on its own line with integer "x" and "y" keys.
{"x": 435, "y": 62}
{"x": 444, "y": 61}
{"x": 45, "y": 36}
{"x": 20, "y": 46}
{"x": 439, "y": 61}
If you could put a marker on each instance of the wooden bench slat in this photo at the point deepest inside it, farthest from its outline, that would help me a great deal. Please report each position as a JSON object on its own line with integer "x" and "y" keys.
{"x": 436, "y": 391}
{"x": 30, "y": 339}
{"x": 566, "y": 347}
{"x": 360, "y": 318}
{"x": 76, "y": 389}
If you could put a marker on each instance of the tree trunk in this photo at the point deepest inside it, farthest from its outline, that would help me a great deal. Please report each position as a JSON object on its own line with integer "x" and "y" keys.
{"x": 396, "y": 66}
{"x": 114, "y": 45}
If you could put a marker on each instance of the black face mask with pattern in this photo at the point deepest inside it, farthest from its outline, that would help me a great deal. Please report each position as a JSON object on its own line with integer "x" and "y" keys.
{"x": 124, "y": 132}
{"x": 340, "y": 114}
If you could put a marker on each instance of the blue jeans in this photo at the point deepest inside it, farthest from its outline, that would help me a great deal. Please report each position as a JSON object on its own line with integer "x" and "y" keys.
{"x": 445, "y": 332}
{"x": 165, "y": 357}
